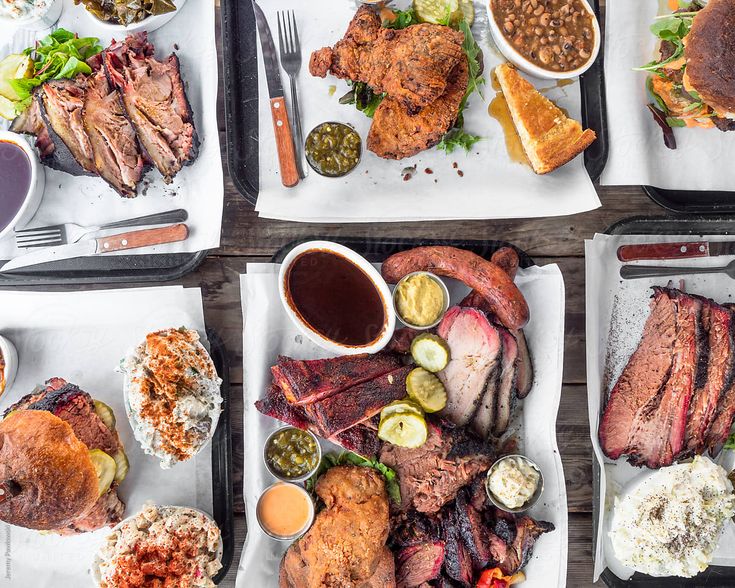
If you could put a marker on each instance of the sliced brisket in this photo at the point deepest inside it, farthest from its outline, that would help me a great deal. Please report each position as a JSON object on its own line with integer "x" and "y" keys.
{"x": 419, "y": 563}
{"x": 30, "y": 122}
{"x": 719, "y": 326}
{"x": 457, "y": 560}
{"x": 643, "y": 378}
{"x": 472, "y": 530}
{"x": 475, "y": 350}
{"x": 306, "y": 381}
{"x": 117, "y": 156}
{"x": 154, "y": 98}
{"x": 506, "y": 388}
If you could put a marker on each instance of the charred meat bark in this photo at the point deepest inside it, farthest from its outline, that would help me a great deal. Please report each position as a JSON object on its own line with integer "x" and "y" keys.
{"x": 419, "y": 563}
{"x": 114, "y": 144}
{"x": 473, "y": 530}
{"x": 475, "y": 350}
{"x": 457, "y": 561}
{"x": 306, "y": 381}
{"x": 506, "y": 387}
{"x": 154, "y": 98}
{"x": 30, "y": 122}
{"x": 339, "y": 412}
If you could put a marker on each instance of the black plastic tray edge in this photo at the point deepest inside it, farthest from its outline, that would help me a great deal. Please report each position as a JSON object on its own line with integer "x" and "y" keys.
{"x": 377, "y": 249}
{"x": 241, "y": 91}
{"x": 709, "y": 578}
{"x": 723, "y": 202}
{"x": 222, "y": 491}
{"x": 183, "y": 263}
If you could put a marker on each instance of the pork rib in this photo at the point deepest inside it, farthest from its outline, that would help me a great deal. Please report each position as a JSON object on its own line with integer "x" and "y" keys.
{"x": 306, "y": 381}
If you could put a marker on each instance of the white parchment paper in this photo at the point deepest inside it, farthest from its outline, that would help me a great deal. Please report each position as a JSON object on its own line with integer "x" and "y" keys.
{"x": 492, "y": 186}
{"x": 269, "y": 332}
{"x": 616, "y": 312}
{"x": 637, "y": 151}
{"x": 81, "y": 337}
{"x": 198, "y": 188}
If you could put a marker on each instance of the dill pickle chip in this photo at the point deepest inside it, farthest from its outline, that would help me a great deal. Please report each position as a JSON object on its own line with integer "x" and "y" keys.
{"x": 430, "y": 351}
{"x": 105, "y": 413}
{"x": 105, "y": 467}
{"x": 426, "y": 389}
{"x": 404, "y": 430}
{"x": 401, "y": 407}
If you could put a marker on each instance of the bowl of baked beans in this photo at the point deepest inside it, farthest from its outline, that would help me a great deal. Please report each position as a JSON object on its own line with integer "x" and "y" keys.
{"x": 552, "y": 39}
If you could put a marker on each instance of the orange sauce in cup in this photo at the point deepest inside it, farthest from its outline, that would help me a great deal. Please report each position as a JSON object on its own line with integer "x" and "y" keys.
{"x": 284, "y": 510}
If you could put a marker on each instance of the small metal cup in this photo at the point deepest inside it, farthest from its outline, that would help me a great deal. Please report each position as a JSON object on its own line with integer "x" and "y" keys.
{"x": 531, "y": 502}
{"x": 304, "y": 529}
{"x": 280, "y": 476}
{"x": 445, "y": 306}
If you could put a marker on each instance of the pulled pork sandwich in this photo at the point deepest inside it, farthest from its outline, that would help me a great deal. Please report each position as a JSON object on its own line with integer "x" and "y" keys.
{"x": 61, "y": 461}
{"x": 693, "y": 81}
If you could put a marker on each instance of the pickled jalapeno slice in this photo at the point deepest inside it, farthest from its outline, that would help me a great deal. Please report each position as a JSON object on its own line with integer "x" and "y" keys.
{"x": 292, "y": 453}
{"x": 333, "y": 149}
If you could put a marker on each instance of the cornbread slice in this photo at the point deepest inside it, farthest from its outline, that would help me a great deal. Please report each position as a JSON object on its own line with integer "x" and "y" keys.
{"x": 549, "y": 137}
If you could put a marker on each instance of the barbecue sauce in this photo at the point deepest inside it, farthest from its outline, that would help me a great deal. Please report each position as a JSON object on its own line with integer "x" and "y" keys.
{"x": 335, "y": 298}
{"x": 15, "y": 181}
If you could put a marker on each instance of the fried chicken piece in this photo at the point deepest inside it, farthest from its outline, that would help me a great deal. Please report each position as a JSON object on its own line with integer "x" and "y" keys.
{"x": 345, "y": 547}
{"x": 410, "y": 65}
{"x": 395, "y": 133}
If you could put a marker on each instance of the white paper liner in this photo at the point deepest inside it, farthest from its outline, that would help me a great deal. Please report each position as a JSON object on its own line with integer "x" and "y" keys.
{"x": 492, "y": 186}
{"x": 616, "y": 312}
{"x": 81, "y": 337}
{"x": 198, "y": 188}
{"x": 637, "y": 151}
{"x": 268, "y": 332}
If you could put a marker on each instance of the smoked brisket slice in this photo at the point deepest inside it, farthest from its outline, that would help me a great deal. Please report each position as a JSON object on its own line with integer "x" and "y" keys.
{"x": 643, "y": 378}
{"x": 155, "y": 101}
{"x": 506, "y": 388}
{"x": 657, "y": 433}
{"x": 117, "y": 156}
{"x": 306, "y": 381}
{"x": 719, "y": 326}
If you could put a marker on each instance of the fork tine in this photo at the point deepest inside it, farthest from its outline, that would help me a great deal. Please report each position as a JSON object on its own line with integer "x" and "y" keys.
{"x": 46, "y": 237}
{"x": 39, "y": 243}
{"x": 281, "y": 44}
{"x": 37, "y": 231}
{"x": 296, "y": 42}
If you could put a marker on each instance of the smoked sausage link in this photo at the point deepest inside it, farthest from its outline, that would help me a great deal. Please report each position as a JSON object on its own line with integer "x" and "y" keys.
{"x": 507, "y": 259}
{"x": 489, "y": 279}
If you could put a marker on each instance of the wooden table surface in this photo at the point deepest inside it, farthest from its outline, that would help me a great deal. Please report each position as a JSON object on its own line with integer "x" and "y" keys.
{"x": 247, "y": 238}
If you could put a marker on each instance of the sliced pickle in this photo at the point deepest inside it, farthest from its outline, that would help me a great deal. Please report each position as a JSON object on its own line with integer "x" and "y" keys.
{"x": 14, "y": 67}
{"x": 437, "y": 11}
{"x": 468, "y": 11}
{"x": 7, "y": 108}
{"x": 105, "y": 413}
{"x": 426, "y": 389}
{"x": 401, "y": 407}
{"x": 404, "y": 430}
{"x": 123, "y": 465}
{"x": 430, "y": 351}
{"x": 105, "y": 467}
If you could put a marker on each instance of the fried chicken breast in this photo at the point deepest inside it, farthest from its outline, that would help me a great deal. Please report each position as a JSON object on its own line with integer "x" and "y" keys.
{"x": 396, "y": 134}
{"x": 345, "y": 547}
{"x": 409, "y": 65}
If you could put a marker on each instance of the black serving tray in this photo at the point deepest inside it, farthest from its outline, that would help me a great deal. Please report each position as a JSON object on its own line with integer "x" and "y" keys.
{"x": 239, "y": 42}
{"x": 222, "y": 491}
{"x": 378, "y": 249}
{"x": 693, "y": 201}
{"x": 714, "y": 576}
{"x": 106, "y": 269}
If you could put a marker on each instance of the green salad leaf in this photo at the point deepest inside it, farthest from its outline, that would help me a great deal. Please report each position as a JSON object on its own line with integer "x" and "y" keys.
{"x": 730, "y": 443}
{"x": 330, "y": 460}
{"x": 457, "y": 139}
{"x": 403, "y": 19}
{"x": 61, "y": 54}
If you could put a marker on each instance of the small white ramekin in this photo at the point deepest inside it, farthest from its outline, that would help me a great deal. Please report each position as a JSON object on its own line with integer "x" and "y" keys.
{"x": 38, "y": 22}
{"x": 323, "y": 342}
{"x": 510, "y": 53}
{"x": 35, "y": 191}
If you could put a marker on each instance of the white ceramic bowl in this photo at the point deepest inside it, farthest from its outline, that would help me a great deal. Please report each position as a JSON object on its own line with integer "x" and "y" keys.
{"x": 95, "y": 566}
{"x": 38, "y": 22}
{"x": 38, "y": 183}
{"x": 119, "y": 31}
{"x": 526, "y": 66}
{"x": 10, "y": 356}
{"x": 370, "y": 271}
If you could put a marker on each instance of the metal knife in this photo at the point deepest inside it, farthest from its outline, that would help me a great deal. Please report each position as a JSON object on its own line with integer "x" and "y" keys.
{"x": 99, "y": 246}
{"x": 679, "y": 250}
{"x": 281, "y": 126}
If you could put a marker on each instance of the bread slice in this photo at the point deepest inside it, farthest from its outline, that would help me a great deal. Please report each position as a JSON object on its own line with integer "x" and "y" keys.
{"x": 549, "y": 137}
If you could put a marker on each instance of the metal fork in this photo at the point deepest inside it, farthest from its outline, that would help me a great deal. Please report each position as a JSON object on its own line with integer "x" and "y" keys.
{"x": 290, "y": 48}
{"x": 71, "y": 233}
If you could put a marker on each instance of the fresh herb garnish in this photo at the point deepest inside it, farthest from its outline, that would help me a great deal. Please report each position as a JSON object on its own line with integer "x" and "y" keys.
{"x": 61, "y": 54}
{"x": 730, "y": 443}
{"x": 457, "y": 138}
{"x": 363, "y": 97}
{"x": 401, "y": 20}
{"x": 663, "y": 121}
{"x": 330, "y": 460}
